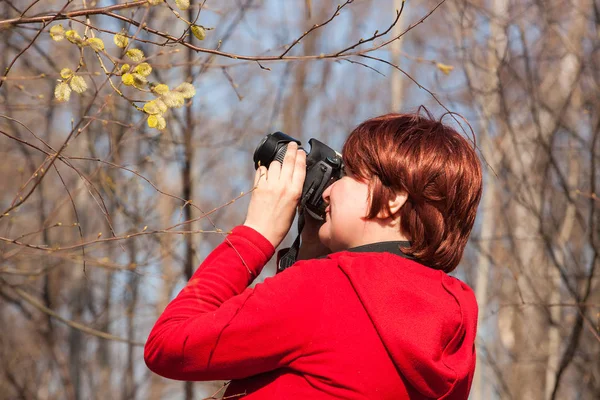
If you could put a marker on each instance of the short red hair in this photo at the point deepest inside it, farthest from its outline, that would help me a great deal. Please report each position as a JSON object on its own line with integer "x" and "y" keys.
{"x": 435, "y": 166}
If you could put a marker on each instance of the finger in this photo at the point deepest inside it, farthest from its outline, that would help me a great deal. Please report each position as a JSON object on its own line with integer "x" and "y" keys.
{"x": 274, "y": 170}
{"x": 289, "y": 161}
{"x": 260, "y": 176}
{"x": 299, "y": 173}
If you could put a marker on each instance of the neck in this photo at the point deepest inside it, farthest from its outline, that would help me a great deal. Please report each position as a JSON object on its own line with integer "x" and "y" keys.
{"x": 376, "y": 231}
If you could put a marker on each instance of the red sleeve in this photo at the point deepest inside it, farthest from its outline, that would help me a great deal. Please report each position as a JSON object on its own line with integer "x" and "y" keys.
{"x": 217, "y": 328}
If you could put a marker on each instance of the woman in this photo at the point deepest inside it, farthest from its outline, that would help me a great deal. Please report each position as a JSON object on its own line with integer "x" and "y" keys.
{"x": 378, "y": 317}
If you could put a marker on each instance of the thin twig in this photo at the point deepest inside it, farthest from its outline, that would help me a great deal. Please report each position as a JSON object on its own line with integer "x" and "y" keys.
{"x": 315, "y": 27}
{"x": 376, "y": 35}
{"x": 75, "y": 325}
{"x": 7, "y": 70}
{"x": 59, "y": 15}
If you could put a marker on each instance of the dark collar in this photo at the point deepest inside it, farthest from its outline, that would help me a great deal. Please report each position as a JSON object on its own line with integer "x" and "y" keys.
{"x": 381, "y": 247}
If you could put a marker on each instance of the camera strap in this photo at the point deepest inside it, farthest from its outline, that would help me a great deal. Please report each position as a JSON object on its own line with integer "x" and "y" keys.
{"x": 289, "y": 257}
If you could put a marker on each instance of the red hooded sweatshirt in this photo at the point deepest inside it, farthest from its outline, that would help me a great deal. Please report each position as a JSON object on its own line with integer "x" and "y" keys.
{"x": 354, "y": 325}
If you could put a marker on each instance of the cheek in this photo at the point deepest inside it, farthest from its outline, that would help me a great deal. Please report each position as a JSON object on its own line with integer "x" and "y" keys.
{"x": 349, "y": 204}
{"x": 356, "y": 200}
{"x": 349, "y": 200}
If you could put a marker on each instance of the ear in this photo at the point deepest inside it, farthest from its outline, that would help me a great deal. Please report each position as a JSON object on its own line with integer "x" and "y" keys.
{"x": 395, "y": 204}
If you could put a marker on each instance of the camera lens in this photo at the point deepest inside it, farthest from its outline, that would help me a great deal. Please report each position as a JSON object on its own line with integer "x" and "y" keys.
{"x": 272, "y": 147}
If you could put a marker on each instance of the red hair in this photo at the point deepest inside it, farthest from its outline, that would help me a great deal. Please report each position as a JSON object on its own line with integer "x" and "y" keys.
{"x": 435, "y": 166}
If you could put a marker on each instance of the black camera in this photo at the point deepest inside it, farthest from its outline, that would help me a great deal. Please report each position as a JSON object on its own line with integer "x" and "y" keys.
{"x": 323, "y": 167}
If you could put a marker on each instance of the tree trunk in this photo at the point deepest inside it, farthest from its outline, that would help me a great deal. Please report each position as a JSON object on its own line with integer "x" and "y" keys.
{"x": 397, "y": 78}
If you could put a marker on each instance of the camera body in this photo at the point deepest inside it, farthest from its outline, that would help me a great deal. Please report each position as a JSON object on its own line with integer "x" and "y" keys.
{"x": 323, "y": 167}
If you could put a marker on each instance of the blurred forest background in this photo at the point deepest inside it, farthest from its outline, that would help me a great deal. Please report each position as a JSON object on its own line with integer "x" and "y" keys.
{"x": 103, "y": 218}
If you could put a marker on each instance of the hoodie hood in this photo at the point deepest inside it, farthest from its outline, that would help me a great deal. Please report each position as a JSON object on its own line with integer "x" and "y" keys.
{"x": 426, "y": 319}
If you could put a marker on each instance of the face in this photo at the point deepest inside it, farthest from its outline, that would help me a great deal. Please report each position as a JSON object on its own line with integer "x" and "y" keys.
{"x": 345, "y": 224}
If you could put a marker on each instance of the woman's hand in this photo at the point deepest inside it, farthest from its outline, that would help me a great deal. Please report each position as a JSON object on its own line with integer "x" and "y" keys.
{"x": 311, "y": 246}
{"x": 276, "y": 195}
